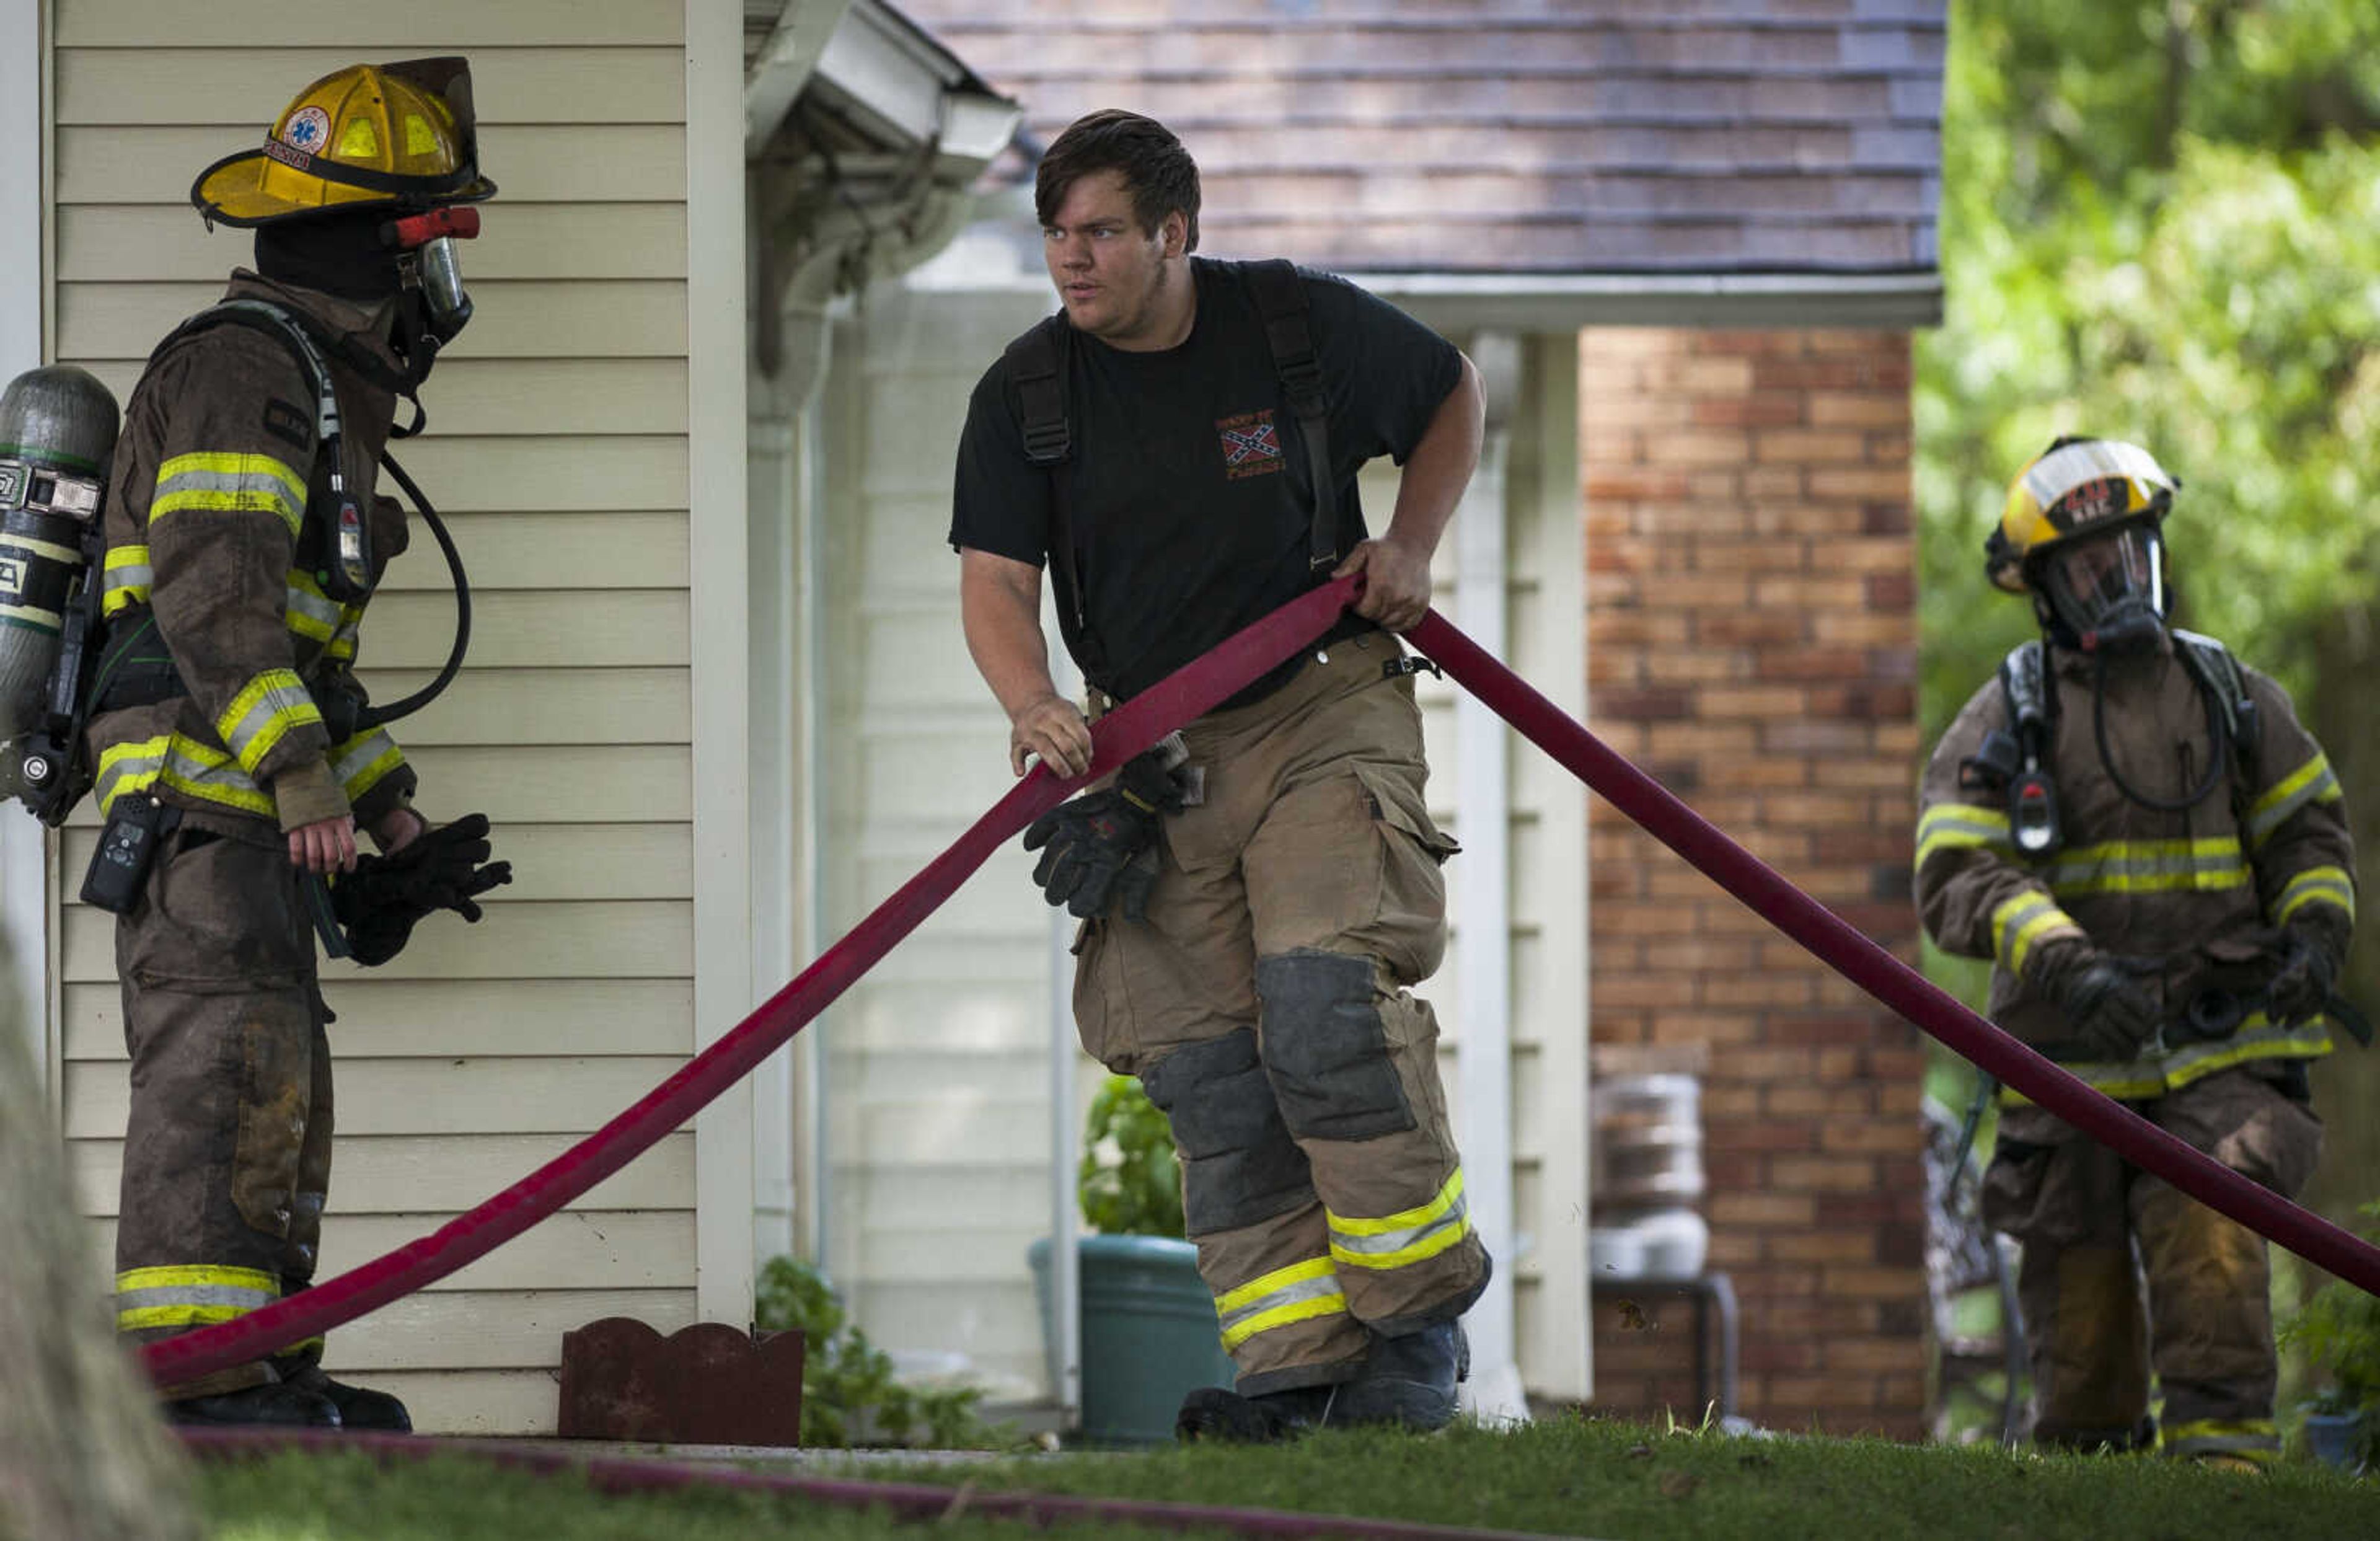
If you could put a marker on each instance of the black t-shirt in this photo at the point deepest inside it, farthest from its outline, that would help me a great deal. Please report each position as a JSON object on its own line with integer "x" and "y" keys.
{"x": 1189, "y": 489}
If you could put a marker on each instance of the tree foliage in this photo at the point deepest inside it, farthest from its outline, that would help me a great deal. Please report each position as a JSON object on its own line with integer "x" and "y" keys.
{"x": 2161, "y": 223}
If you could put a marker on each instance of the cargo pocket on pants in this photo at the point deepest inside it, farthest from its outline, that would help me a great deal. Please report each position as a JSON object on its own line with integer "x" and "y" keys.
{"x": 1102, "y": 1010}
{"x": 277, "y": 1077}
{"x": 1409, "y": 931}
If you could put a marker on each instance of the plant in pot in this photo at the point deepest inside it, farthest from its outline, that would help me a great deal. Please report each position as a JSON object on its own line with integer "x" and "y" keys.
{"x": 2338, "y": 1330}
{"x": 1148, "y": 1333}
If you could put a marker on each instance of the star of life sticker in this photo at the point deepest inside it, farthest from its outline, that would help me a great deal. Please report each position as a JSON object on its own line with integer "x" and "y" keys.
{"x": 308, "y": 128}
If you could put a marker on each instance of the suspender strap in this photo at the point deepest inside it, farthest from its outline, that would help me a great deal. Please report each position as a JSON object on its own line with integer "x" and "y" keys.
{"x": 1281, "y": 300}
{"x": 1037, "y": 364}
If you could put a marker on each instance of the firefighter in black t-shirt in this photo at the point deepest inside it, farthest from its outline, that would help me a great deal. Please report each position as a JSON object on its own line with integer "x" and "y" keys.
{"x": 1259, "y": 897}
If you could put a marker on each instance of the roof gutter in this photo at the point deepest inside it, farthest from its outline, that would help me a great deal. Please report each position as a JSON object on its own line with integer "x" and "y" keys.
{"x": 1564, "y": 302}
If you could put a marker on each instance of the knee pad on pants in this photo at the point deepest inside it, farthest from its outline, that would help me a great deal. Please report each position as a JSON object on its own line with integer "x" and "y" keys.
{"x": 1326, "y": 1047}
{"x": 1239, "y": 1165}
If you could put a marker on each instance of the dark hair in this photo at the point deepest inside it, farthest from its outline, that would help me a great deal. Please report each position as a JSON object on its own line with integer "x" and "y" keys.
{"x": 1158, "y": 173}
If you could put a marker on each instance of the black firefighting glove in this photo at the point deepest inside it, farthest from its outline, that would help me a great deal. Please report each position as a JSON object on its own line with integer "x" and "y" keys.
{"x": 2111, "y": 1013}
{"x": 1102, "y": 847}
{"x": 2309, "y": 952}
{"x": 443, "y": 869}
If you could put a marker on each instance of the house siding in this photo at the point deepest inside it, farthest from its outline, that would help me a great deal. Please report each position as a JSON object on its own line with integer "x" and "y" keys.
{"x": 1752, "y": 637}
{"x": 558, "y": 449}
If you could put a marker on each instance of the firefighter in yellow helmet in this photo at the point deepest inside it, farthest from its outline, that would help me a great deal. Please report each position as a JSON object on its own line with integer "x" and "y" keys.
{"x": 2134, "y": 827}
{"x": 234, "y": 756}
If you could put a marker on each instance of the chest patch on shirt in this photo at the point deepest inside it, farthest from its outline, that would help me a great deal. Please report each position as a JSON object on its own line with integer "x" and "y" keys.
{"x": 1251, "y": 444}
{"x": 291, "y": 423}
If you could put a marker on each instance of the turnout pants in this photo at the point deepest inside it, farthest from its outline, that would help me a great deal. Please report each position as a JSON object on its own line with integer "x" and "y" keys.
{"x": 227, "y": 1153}
{"x": 1264, "y": 1004}
{"x": 2124, "y": 1274}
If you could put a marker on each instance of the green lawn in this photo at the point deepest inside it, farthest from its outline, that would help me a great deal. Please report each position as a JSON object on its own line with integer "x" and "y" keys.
{"x": 1566, "y": 1477}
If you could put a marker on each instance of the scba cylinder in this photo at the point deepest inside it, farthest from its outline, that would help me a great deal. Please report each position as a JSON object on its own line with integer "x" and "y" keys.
{"x": 57, "y": 432}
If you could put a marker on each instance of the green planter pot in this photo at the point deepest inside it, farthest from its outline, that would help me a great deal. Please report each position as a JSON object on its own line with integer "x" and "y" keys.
{"x": 1148, "y": 1333}
{"x": 2334, "y": 1438}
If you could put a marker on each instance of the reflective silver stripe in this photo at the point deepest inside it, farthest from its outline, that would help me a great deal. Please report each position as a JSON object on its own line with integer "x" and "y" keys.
{"x": 2316, "y": 885}
{"x": 195, "y": 1294}
{"x": 1956, "y": 826}
{"x": 2022, "y": 921}
{"x": 2060, "y": 471}
{"x": 190, "y": 768}
{"x": 357, "y": 757}
{"x": 1384, "y": 1245}
{"x": 1324, "y": 1286}
{"x": 2137, "y": 867}
{"x": 272, "y": 704}
{"x": 2312, "y": 782}
{"x": 310, "y": 615}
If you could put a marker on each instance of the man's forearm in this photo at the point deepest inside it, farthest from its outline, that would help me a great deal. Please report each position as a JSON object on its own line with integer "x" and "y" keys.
{"x": 1441, "y": 466}
{"x": 1003, "y": 636}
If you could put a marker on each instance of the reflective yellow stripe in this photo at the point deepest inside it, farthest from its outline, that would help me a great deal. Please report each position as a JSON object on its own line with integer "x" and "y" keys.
{"x": 261, "y": 715}
{"x": 2024, "y": 920}
{"x": 1284, "y": 1315}
{"x": 2150, "y": 867}
{"x": 2257, "y": 1440}
{"x": 198, "y": 1275}
{"x": 307, "y": 610}
{"x": 1297, "y": 1293}
{"x": 230, "y": 482}
{"x": 191, "y": 1295}
{"x": 2259, "y": 1037}
{"x": 2310, "y": 782}
{"x": 1954, "y": 825}
{"x": 1405, "y": 1238}
{"x": 128, "y": 577}
{"x": 189, "y": 766}
{"x": 2316, "y": 885}
{"x": 362, "y": 760}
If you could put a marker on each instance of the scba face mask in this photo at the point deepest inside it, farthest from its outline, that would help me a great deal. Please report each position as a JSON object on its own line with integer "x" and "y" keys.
{"x": 2108, "y": 591}
{"x": 430, "y": 265}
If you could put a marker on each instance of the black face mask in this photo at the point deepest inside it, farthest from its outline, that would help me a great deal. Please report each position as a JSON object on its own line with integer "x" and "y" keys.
{"x": 344, "y": 255}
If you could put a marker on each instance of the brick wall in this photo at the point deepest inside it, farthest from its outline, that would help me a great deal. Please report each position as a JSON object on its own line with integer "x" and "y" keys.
{"x": 1752, "y": 644}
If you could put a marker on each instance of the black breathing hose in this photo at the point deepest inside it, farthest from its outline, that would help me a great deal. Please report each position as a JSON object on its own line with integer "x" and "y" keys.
{"x": 2217, "y": 735}
{"x": 374, "y": 717}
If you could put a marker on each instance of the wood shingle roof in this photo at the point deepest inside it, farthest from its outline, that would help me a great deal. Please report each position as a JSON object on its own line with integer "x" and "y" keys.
{"x": 1525, "y": 137}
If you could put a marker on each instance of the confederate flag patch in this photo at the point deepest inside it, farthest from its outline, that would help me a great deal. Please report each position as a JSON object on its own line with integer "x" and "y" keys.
{"x": 1251, "y": 444}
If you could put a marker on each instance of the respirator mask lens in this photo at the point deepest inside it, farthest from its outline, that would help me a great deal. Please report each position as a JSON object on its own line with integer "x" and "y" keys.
{"x": 2109, "y": 590}
{"x": 438, "y": 266}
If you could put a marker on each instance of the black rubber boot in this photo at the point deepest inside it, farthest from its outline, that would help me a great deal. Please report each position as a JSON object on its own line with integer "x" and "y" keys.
{"x": 1226, "y": 1417}
{"x": 1408, "y": 1381}
{"x": 273, "y": 1406}
{"x": 358, "y": 1408}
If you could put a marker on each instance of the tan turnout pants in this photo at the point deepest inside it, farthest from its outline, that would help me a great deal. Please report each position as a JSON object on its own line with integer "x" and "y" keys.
{"x": 227, "y": 1152}
{"x": 1264, "y": 1003}
{"x": 2124, "y": 1274}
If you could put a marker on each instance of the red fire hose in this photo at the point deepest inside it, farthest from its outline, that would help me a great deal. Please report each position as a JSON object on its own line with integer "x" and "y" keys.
{"x": 1190, "y": 691}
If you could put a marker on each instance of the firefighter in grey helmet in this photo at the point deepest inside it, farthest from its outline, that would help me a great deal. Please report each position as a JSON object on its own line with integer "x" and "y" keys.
{"x": 2133, "y": 826}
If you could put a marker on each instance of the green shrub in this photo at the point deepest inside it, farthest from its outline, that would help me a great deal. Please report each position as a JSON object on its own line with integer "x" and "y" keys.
{"x": 848, "y": 1393}
{"x": 1130, "y": 1181}
{"x": 2338, "y": 1330}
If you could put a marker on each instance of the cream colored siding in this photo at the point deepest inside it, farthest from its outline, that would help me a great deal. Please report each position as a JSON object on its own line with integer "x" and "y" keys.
{"x": 936, "y": 1082}
{"x": 558, "y": 448}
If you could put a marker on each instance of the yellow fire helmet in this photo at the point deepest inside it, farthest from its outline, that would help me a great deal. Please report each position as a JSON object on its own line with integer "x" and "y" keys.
{"x": 2077, "y": 487}
{"x": 400, "y": 135}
